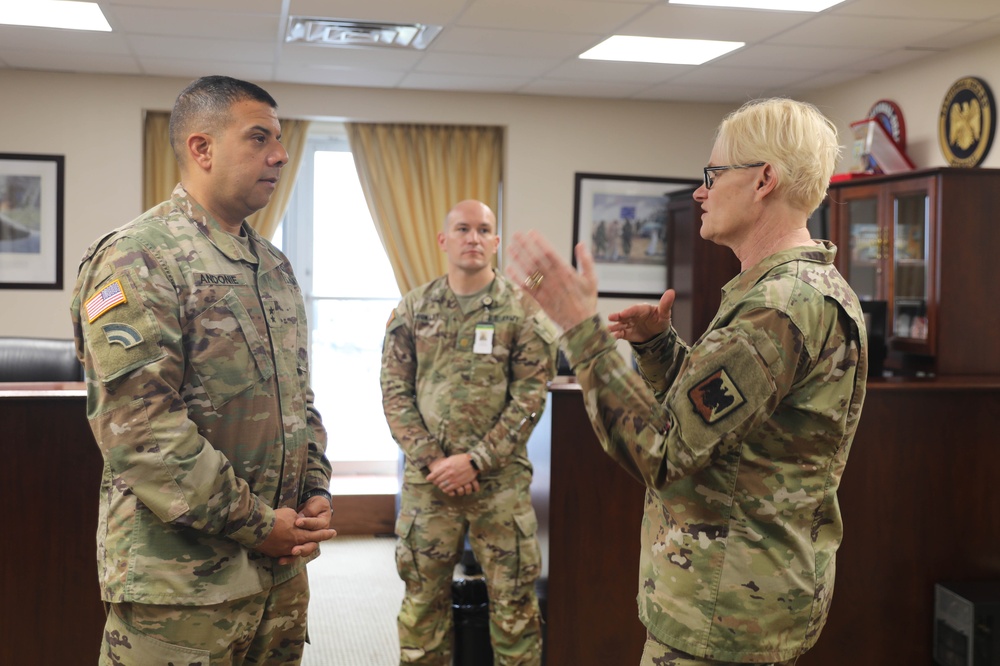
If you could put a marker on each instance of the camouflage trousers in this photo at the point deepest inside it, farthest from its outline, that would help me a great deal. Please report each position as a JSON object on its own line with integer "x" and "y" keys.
{"x": 501, "y": 525}
{"x": 267, "y": 628}
{"x": 655, "y": 653}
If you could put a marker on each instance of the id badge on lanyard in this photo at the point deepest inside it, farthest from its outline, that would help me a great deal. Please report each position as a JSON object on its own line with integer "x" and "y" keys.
{"x": 484, "y": 332}
{"x": 484, "y": 339}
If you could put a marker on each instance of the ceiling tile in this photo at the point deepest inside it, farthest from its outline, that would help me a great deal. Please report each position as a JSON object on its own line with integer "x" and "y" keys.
{"x": 328, "y": 56}
{"x": 520, "y": 46}
{"x": 252, "y": 6}
{"x": 608, "y": 89}
{"x": 679, "y": 93}
{"x": 195, "y": 23}
{"x": 630, "y": 72}
{"x": 758, "y": 80}
{"x": 767, "y": 56}
{"x": 157, "y": 46}
{"x": 963, "y": 10}
{"x": 485, "y": 65}
{"x": 68, "y": 41}
{"x": 340, "y": 76}
{"x": 575, "y": 16}
{"x": 193, "y": 69}
{"x": 854, "y": 31}
{"x": 504, "y": 42}
{"x": 422, "y": 81}
{"x": 434, "y": 12}
{"x": 685, "y": 22}
{"x": 71, "y": 62}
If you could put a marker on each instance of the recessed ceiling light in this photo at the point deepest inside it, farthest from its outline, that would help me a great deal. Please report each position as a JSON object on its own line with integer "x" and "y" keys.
{"x": 659, "y": 50}
{"x": 54, "y": 14}
{"x": 778, "y": 5}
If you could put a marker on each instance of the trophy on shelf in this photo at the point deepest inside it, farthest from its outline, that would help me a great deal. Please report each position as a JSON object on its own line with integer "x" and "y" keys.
{"x": 880, "y": 141}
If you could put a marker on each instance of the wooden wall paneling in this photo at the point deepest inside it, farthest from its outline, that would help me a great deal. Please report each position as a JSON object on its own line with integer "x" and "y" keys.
{"x": 51, "y": 611}
{"x": 595, "y": 518}
{"x": 920, "y": 506}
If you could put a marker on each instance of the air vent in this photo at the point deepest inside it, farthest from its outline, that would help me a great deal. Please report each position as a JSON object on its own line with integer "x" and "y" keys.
{"x": 345, "y": 33}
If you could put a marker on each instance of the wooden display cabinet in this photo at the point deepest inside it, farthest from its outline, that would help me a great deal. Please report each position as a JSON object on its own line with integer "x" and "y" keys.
{"x": 926, "y": 243}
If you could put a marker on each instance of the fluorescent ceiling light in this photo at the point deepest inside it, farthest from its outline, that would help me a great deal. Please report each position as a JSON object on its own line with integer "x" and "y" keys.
{"x": 53, "y": 14}
{"x": 659, "y": 50}
{"x": 778, "y": 5}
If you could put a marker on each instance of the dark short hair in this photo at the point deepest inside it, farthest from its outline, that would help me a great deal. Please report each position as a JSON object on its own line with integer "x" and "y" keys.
{"x": 204, "y": 106}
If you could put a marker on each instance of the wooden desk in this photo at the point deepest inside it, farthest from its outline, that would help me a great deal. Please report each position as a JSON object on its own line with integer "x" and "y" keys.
{"x": 51, "y": 611}
{"x": 595, "y": 513}
{"x": 919, "y": 503}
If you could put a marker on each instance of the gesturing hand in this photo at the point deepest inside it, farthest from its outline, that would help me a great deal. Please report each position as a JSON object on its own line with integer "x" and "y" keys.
{"x": 567, "y": 296}
{"x": 643, "y": 322}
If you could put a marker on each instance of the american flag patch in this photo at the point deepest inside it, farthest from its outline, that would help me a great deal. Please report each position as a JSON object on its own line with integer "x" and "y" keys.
{"x": 104, "y": 300}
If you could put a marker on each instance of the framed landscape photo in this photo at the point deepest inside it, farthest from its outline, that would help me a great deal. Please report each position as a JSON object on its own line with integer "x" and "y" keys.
{"x": 623, "y": 221}
{"x": 31, "y": 221}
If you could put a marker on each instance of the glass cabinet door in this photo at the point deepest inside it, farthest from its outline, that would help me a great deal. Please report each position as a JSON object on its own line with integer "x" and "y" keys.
{"x": 910, "y": 236}
{"x": 865, "y": 245}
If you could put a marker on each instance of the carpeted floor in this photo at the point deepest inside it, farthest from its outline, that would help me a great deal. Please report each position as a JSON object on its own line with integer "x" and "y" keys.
{"x": 355, "y": 596}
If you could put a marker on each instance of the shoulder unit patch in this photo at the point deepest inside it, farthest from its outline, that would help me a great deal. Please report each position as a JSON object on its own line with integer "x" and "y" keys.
{"x": 716, "y": 396}
{"x": 122, "y": 334}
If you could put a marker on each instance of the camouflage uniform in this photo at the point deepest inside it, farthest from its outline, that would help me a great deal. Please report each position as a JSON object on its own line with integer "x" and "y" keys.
{"x": 441, "y": 399}
{"x": 741, "y": 444}
{"x": 198, "y": 396}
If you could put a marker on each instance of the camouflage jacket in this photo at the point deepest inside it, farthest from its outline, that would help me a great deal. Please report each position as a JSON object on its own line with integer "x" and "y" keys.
{"x": 741, "y": 441}
{"x": 441, "y": 398}
{"x": 198, "y": 396}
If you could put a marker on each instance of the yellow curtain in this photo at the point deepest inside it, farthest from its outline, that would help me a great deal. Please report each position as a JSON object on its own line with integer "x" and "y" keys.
{"x": 161, "y": 173}
{"x": 412, "y": 175}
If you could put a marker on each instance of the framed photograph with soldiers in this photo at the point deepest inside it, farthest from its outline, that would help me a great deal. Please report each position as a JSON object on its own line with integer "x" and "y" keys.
{"x": 31, "y": 221}
{"x": 623, "y": 221}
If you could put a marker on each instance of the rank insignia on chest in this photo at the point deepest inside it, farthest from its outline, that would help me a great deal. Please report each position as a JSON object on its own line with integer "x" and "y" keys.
{"x": 716, "y": 396}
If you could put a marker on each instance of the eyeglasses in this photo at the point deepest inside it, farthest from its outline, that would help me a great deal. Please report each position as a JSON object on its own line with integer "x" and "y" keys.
{"x": 710, "y": 171}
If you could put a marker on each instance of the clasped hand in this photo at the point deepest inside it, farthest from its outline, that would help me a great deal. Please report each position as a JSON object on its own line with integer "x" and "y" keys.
{"x": 454, "y": 475}
{"x": 298, "y": 533}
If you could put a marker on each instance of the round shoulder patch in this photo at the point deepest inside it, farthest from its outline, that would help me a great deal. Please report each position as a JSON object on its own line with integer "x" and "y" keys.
{"x": 967, "y": 122}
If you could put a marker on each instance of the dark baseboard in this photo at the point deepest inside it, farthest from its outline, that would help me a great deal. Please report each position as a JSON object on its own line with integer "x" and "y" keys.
{"x": 364, "y": 514}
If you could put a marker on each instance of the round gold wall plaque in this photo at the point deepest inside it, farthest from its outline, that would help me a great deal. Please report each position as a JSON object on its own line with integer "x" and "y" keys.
{"x": 967, "y": 122}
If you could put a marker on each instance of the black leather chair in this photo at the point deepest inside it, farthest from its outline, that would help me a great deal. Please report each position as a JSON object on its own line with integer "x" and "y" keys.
{"x": 39, "y": 360}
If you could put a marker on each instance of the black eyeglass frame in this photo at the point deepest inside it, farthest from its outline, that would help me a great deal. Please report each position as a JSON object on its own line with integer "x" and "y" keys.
{"x": 710, "y": 180}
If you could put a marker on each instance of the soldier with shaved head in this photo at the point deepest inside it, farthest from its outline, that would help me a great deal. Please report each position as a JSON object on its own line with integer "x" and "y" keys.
{"x": 465, "y": 366}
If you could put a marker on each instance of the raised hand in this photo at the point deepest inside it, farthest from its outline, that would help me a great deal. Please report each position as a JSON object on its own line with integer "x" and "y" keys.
{"x": 567, "y": 296}
{"x": 642, "y": 322}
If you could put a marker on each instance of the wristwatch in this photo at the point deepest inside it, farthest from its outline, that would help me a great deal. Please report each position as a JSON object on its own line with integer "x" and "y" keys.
{"x": 323, "y": 492}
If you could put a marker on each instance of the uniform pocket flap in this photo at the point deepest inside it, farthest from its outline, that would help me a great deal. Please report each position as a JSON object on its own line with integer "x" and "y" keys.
{"x": 404, "y": 524}
{"x": 527, "y": 523}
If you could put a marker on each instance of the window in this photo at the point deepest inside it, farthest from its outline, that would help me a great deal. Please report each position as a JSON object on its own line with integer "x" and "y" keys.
{"x": 350, "y": 290}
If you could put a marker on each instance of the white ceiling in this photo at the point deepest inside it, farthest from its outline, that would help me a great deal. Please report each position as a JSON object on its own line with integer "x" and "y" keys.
{"x": 512, "y": 46}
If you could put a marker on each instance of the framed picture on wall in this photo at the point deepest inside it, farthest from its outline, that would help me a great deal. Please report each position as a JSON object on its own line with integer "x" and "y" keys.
{"x": 623, "y": 221}
{"x": 31, "y": 221}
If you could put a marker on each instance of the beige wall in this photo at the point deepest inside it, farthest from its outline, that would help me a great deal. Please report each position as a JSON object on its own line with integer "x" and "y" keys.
{"x": 96, "y": 122}
{"x": 918, "y": 89}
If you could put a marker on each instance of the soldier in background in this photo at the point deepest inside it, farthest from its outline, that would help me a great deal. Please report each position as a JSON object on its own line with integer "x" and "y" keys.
{"x": 465, "y": 366}
{"x": 741, "y": 440}
{"x": 192, "y": 330}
